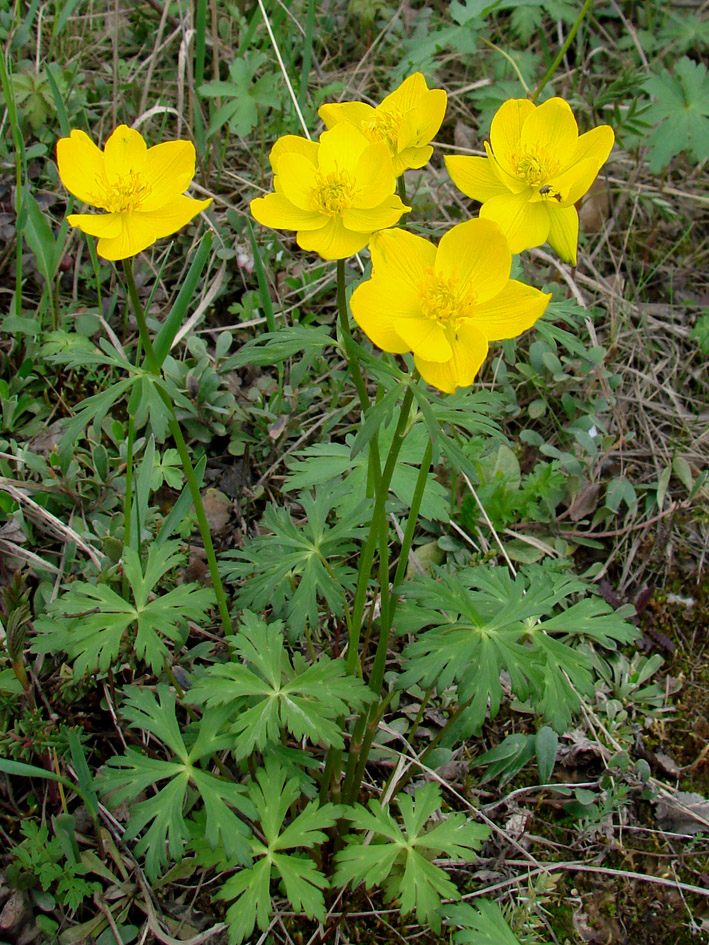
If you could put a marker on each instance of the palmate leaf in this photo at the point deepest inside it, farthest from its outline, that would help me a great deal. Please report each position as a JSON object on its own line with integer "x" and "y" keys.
{"x": 272, "y": 794}
{"x": 324, "y": 462}
{"x": 268, "y": 693}
{"x": 483, "y": 621}
{"x": 298, "y": 564}
{"x": 400, "y": 859}
{"x": 90, "y": 621}
{"x": 277, "y": 346}
{"x": 243, "y": 96}
{"x": 482, "y": 924}
{"x": 130, "y": 774}
{"x": 681, "y": 107}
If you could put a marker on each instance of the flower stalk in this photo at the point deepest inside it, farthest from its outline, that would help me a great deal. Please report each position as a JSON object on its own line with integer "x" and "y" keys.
{"x": 182, "y": 450}
{"x": 562, "y": 52}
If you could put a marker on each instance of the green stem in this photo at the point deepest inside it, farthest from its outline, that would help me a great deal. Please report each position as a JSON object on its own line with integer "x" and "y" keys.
{"x": 307, "y": 54}
{"x": 434, "y": 743}
{"x": 331, "y": 774}
{"x": 408, "y": 538}
{"x": 9, "y": 96}
{"x": 356, "y": 765}
{"x": 179, "y": 439}
{"x": 511, "y": 61}
{"x": 401, "y": 188}
{"x": 562, "y": 52}
{"x": 419, "y": 715}
{"x": 378, "y": 516}
{"x": 128, "y": 497}
{"x": 375, "y": 466}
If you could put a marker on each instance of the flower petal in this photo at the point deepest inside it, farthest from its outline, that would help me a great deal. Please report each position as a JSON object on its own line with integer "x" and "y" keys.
{"x": 524, "y": 224}
{"x": 506, "y": 177}
{"x": 358, "y": 114}
{"x": 136, "y": 235}
{"x": 125, "y": 153}
{"x": 406, "y": 95}
{"x": 476, "y": 254}
{"x": 425, "y": 118}
{"x": 385, "y": 215}
{"x": 80, "y": 163}
{"x": 172, "y": 216}
{"x": 279, "y": 213}
{"x": 402, "y": 257}
{"x": 475, "y": 177}
{"x": 506, "y": 131}
{"x": 96, "y": 224}
{"x": 595, "y": 144}
{"x": 564, "y": 232}
{"x": 574, "y": 182}
{"x": 169, "y": 169}
{"x": 296, "y": 179}
{"x": 515, "y": 309}
{"x": 411, "y": 158}
{"x": 332, "y": 241}
{"x": 424, "y": 336}
{"x": 552, "y": 128}
{"x": 373, "y": 306}
{"x": 293, "y": 144}
{"x": 340, "y": 148}
{"x": 374, "y": 176}
{"x": 469, "y": 350}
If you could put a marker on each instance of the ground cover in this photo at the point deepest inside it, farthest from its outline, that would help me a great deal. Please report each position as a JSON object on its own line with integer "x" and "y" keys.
{"x": 468, "y": 705}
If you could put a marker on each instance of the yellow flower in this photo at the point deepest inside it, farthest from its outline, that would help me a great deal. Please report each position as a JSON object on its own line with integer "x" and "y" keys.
{"x": 406, "y": 120}
{"x": 537, "y": 167}
{"x": 334, "y": 193}
{"x": 140, "y": 188}
{"x": 445, "y": 304}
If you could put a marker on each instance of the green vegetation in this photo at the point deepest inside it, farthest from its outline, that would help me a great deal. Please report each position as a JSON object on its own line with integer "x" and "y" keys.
{"x": 295, "y": 644}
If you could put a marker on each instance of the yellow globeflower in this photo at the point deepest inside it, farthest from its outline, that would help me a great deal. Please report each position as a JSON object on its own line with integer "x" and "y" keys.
{"x": 334, "y": 193}
{"x": 406, "y": 120}
{"x": 445, "y": 304}
{"x": 537, "y": 167}
{"x": 139, "y": 188}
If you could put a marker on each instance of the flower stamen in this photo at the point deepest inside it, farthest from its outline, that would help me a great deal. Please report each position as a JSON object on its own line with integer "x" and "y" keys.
{"x": 123, "y": 195}
{"x": 334, "y": 192}
{"x": 443, "y": 301}
{"x": 535, "y": 168}
{"x": 384, "y": 126}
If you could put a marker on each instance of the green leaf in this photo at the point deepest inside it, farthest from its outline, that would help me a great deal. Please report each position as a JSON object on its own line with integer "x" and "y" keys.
{"x": 178, "y": 312}
{"x": 683, "y": 471}
{"x": 40, "y": 238}
{"x": 244, "y": 96}
{"x": 700, "y": 332}
{"x": 90, "y": 621}
{"x": 19, "y": 768}
{"x": 400, "y": 859}
{"x": 681, "y": 111}
{"x": 129, "y": 775}
{"x": 546, "y": 745}
{"x": 329, "y": 462}
{"x": 481, "y": 924}
{"x": 508, "y": 758}
{"x": 268, "y": 693}
{"x": 275, "y": 347}
{"x": 295, "y": 566}
{"x": 273, "y": 794}
{"x": 482, "y": 621}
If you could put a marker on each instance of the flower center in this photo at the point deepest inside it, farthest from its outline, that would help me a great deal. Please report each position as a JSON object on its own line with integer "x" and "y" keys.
{"x": 334, "y": 192}
{"x": 123, "y": 195}
{"x": 383, "y": 127}
{"x": 443, "y": 300}
{"x": 535, "y": 167}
